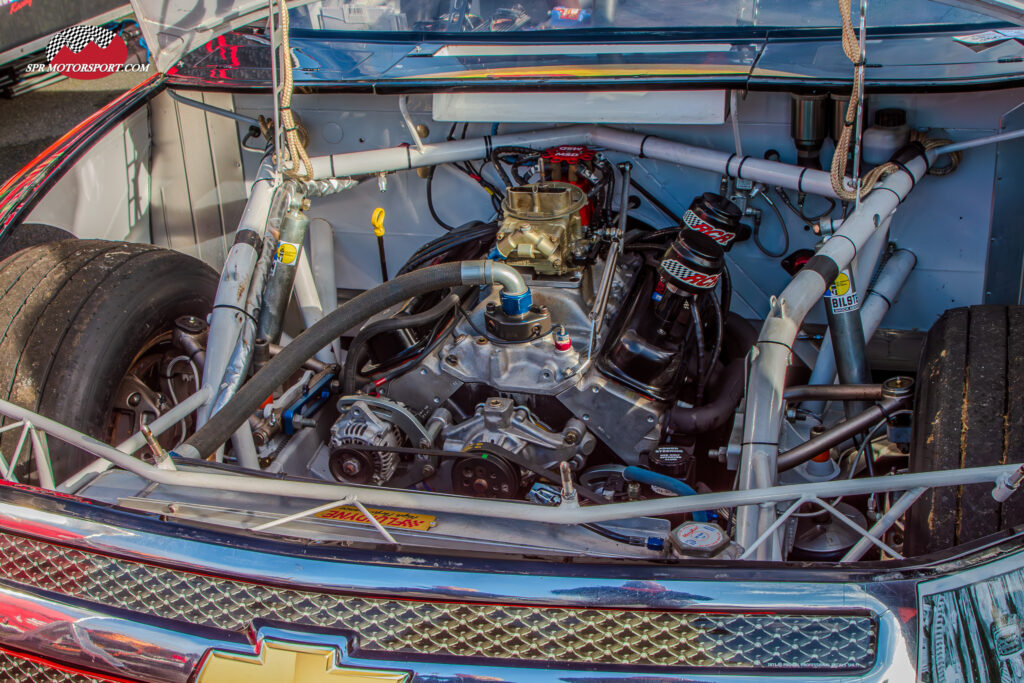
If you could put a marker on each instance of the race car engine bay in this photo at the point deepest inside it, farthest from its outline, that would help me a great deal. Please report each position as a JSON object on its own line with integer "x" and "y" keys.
{"x": 578, "y": 367}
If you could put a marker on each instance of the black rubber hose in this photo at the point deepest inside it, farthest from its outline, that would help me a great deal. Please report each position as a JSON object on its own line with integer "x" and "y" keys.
{"x": 645, "y": 246}
{"x": 719, "y": 327}
{"x": 716, "y": 412}
{"x": 702, "y": 368}
{"x": 782, "y": 226}
{"x": 650, "y": 236}
{"x": 355, "y": 350}
{"x": 254, "y": 392}
{"x": 727, "y": 391}
{"x": 726, "y": 300}
{"x": 430, "y": 201}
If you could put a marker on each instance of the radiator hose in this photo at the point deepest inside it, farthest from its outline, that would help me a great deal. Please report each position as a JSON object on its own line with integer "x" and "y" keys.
{"x": 253, "y": 393}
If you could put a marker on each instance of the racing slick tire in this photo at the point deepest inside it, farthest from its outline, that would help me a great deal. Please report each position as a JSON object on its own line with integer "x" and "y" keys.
{"x": 75, "y": 317}
{"x": 967, "y": 414}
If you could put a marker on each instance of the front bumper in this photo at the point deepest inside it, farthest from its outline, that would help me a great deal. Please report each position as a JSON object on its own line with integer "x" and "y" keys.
{"x": 113, "y": 595}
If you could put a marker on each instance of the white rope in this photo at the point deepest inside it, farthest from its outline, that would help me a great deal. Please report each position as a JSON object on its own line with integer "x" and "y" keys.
{"x": 854, "y": 50}
{"x": 296, "y": 152}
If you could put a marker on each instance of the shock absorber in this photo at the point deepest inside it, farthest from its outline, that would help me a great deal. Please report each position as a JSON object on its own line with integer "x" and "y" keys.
{"x": 278, "y": 291}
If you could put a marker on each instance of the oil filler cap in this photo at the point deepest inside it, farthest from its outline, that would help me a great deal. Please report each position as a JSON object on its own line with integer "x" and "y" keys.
{"x": 698, "y": 539}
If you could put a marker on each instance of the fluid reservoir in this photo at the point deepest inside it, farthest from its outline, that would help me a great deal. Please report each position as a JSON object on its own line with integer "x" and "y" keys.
{"x": 889, "y": 134}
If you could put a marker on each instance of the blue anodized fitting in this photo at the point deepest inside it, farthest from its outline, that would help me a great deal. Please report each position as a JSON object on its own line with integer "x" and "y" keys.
{"x": 516, "y": 304}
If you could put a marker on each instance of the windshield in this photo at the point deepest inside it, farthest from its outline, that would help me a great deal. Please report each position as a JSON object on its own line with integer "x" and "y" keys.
{"x": 496, "y": 16}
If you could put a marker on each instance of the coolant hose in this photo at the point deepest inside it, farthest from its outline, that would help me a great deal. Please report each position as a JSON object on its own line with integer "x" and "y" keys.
{"x": 355, "y": 350}
{"x": 253, "y": 393}
{"x": 680, "y": 488}
{"x": 727, "y": 391}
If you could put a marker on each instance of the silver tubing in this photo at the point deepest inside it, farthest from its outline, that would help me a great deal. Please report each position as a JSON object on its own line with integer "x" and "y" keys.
{"x": 238, "y": 366}
{"x": 846, "y": 429}
{"x": 403, "y": 106}
{"x": 879, "y": 298}
{"x": 635, "y": 144}
{"x": 321, "y": 255}
{"x": 493, "y": 272}
{"x": 771, "y": 354}
{"x": 774, "y": 526}
{"x": 405, "y": 157}
{"x": 226, "y": 319}
{"x": 281, "y": 280}
{"x": 241, "y": 357}
{"x": 409, "y": 499}
{"x": 137, "y": 440}
{"x": 722, "y": 163}
{"x": 244, "y": 448}
{"x": 42, "y": 459}
{"x": 856, "y": 528}
{"x": 604, "y": 289}
{"x": 308, "y": 298}
{"x": 882, "y": 525}
{"x": 299, "y": 515}
{"x": 508, "y": 277}
{"x": 971, "y": 144}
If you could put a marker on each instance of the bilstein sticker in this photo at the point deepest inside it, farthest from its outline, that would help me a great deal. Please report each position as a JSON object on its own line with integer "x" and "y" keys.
{"x": 841, "y": 296}
{"x": 287, "y": 252}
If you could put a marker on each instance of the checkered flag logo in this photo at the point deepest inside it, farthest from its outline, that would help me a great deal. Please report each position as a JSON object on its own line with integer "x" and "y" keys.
{"x": 77, "y": 38}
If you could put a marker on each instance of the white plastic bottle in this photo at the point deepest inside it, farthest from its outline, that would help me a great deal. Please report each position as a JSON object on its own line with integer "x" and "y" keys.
{"x": 889, "y": 133}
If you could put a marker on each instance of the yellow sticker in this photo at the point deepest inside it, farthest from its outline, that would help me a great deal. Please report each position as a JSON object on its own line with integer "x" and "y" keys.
{"x": 287, "y": 252}
{"x": 389, "y": 518}
{"x": 841, "y": 286}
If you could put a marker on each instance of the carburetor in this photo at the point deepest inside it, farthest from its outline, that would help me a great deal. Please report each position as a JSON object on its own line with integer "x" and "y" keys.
{"x": 542, "y": 227}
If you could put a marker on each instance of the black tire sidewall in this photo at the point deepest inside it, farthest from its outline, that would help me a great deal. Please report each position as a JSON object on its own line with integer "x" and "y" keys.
{"x": 150, "y": 292}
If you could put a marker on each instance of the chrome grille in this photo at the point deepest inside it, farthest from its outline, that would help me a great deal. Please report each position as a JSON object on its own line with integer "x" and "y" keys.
{"x": 18, "y": 670}
{"x": 777, "y": 642}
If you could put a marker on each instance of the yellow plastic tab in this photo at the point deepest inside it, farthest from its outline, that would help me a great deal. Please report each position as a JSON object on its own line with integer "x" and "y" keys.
{"x": 377, "y": 221}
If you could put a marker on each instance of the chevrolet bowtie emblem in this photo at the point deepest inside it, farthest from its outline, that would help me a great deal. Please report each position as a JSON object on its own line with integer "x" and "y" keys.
{"x": 282, "y": 662}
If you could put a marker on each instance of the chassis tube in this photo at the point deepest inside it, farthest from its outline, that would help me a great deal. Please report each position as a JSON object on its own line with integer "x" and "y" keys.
{"x": 564, "y": 514}
{"x": 840, "y": 433}
{"x": 308, "y": 298}
{"x": 771, "y": 354}
{"x": 226, "y": 318}
{"x": 408, "y": 157}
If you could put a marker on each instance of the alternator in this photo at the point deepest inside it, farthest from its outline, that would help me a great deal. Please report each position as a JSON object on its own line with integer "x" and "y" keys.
{"x": 358, "y": 425}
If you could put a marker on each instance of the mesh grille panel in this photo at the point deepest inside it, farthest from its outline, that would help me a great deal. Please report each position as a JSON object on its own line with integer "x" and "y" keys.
{"x": 794, "y": 642}
{"x": 17, "y": 670}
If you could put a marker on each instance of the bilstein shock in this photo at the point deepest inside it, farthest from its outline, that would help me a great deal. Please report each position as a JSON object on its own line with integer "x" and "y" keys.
{"x": 294, "y": 226}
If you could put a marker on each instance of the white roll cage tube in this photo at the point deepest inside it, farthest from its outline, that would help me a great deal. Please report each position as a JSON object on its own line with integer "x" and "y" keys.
{"x": 771, "y": 354}
{"x": 228, "y": 315}
{"x": 407, "y": 157}
{"x": 757, "y": 495}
